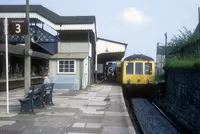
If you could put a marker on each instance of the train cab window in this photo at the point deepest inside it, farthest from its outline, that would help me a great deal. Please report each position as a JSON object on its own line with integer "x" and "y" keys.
{"x": 119, "y": 69}
{"x": 129, "y": 68}
{"x": 148, "y": 68}
{"x": 138, "y": 68}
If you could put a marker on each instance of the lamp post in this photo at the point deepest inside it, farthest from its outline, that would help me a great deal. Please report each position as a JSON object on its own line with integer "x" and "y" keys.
{"x": 165, "y": 46}
{"x": 199, "y": 20}
{"x": 27, "y": 62}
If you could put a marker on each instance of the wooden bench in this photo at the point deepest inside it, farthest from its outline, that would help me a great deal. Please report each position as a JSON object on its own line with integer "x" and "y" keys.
{"x": 27, "y": 103}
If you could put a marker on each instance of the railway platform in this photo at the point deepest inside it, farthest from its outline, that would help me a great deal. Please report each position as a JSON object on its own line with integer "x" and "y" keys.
{"x": 100, "y": 109}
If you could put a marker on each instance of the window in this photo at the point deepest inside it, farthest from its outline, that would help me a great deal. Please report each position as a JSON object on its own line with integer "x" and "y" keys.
{"x": 129, "y": 68}
{"x": 66, "y": 66}
{"x": 138, "y": 68}
{"x": 119, "y": 69}
{"x": 148, "y": 68}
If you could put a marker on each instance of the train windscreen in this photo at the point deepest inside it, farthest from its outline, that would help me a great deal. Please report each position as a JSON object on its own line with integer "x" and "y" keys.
{"x": 148, "y": 68}
{"x": 138, "y": 68}
{"x": 129, "y": 68}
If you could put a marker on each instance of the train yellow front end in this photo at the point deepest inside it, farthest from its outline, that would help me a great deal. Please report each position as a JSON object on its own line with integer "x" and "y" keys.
{"x": 138, "y": 76}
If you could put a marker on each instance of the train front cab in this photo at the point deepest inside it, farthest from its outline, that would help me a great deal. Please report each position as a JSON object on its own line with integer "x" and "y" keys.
{"x": 138, "y": 78}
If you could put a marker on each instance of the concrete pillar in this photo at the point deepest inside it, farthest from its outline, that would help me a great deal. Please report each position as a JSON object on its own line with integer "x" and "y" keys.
{"x": 27, "y": 63}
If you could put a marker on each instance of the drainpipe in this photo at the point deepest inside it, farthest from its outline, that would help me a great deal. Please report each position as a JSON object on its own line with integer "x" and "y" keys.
{"x": 89, "y": 78}
{"x": 165, "y": 47}
{"x": 96, "y": 67}
{"x": 89, "y": 58}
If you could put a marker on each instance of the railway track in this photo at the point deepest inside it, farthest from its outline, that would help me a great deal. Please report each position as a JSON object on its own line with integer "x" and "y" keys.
{"x": 146, "y": 123}
{"x": 180, "y": 127}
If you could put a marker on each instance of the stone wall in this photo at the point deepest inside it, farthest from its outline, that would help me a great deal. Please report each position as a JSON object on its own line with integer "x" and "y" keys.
{"x": 183, "y": 95}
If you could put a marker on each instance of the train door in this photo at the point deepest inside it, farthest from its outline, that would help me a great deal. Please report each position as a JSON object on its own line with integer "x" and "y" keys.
{"x": 119, "y": 72}
{"x": 139, "y": 75}
{"x": 128, "y": 72}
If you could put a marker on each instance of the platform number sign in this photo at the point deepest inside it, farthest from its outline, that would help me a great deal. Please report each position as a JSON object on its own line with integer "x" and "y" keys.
{"x": 17, "y": 26}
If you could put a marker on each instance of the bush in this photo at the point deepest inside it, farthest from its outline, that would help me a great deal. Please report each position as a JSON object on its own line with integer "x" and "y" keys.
{"x": 183, "y": 63}
{"x": 178, "y": 42}
{"x": 160, "y": 78}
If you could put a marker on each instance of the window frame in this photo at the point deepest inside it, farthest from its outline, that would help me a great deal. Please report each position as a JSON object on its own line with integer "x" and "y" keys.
{"x": 132, "y": 68}
{"x": 119, "y": 69}
{"x": 145, "y": 68}
{"x": 142, "y": 68}
{"x": 58, "y": 67}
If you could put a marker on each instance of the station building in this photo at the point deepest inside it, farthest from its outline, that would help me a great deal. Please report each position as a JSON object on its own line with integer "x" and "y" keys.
{"x": 73, "y": 52}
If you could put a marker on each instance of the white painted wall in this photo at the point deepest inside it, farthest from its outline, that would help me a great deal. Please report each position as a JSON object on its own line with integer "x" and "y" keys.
{"x": 102, "y": 45}
{"x": 160, "y": 60}
{"x": 65, "y": 47}
{"x": 53, "y": 68}
{"x": 99, "y": 68}
{"x": 90, "y": 49}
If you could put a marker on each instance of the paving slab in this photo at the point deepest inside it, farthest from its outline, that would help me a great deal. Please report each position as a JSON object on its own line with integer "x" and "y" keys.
{"x": 98, "y": 110}
{"x": 79, "y": 125}
{"x": 93, "y": 125}
{"x": 90, "y": 119}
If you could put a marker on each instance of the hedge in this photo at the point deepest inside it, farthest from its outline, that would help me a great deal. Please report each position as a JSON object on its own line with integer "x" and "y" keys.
{"x": 182, "y": 63}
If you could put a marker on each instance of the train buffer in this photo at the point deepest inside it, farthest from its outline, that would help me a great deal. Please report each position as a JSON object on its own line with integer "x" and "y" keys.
{"x": 98, "y": 109}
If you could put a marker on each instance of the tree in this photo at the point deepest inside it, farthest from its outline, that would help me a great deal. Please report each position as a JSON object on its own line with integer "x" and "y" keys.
{"x": 185, "y": 38}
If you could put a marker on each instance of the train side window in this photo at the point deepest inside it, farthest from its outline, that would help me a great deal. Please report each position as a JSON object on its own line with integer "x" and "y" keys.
{"x": 138, "y": 68}
{"x": 129, "y": 68}
{"x": 119, "y": 69}
{"x": 148, "y": 68}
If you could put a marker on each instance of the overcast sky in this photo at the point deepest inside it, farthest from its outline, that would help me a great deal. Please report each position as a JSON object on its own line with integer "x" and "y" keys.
{"x": 140, "y": 23}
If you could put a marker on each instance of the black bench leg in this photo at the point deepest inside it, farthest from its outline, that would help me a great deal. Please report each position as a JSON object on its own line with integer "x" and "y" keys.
{"x": 38, "y": 102}
{"x": 48, "y": 99}
{"x": 26, "y": 107}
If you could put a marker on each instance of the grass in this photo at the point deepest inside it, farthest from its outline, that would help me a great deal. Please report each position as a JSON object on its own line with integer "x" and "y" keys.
{"x": 183, "y": 63}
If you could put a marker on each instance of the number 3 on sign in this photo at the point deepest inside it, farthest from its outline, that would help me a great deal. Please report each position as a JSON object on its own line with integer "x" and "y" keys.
{"x": 18, "y": 28}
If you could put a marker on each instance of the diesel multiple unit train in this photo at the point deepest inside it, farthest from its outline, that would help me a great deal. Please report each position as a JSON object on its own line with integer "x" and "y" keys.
{"x": 136, "y": 74}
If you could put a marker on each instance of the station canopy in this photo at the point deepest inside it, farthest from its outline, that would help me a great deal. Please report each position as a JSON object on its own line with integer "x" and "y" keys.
{"x": 109, "y": 50}
{"x": 113, "y": 56}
